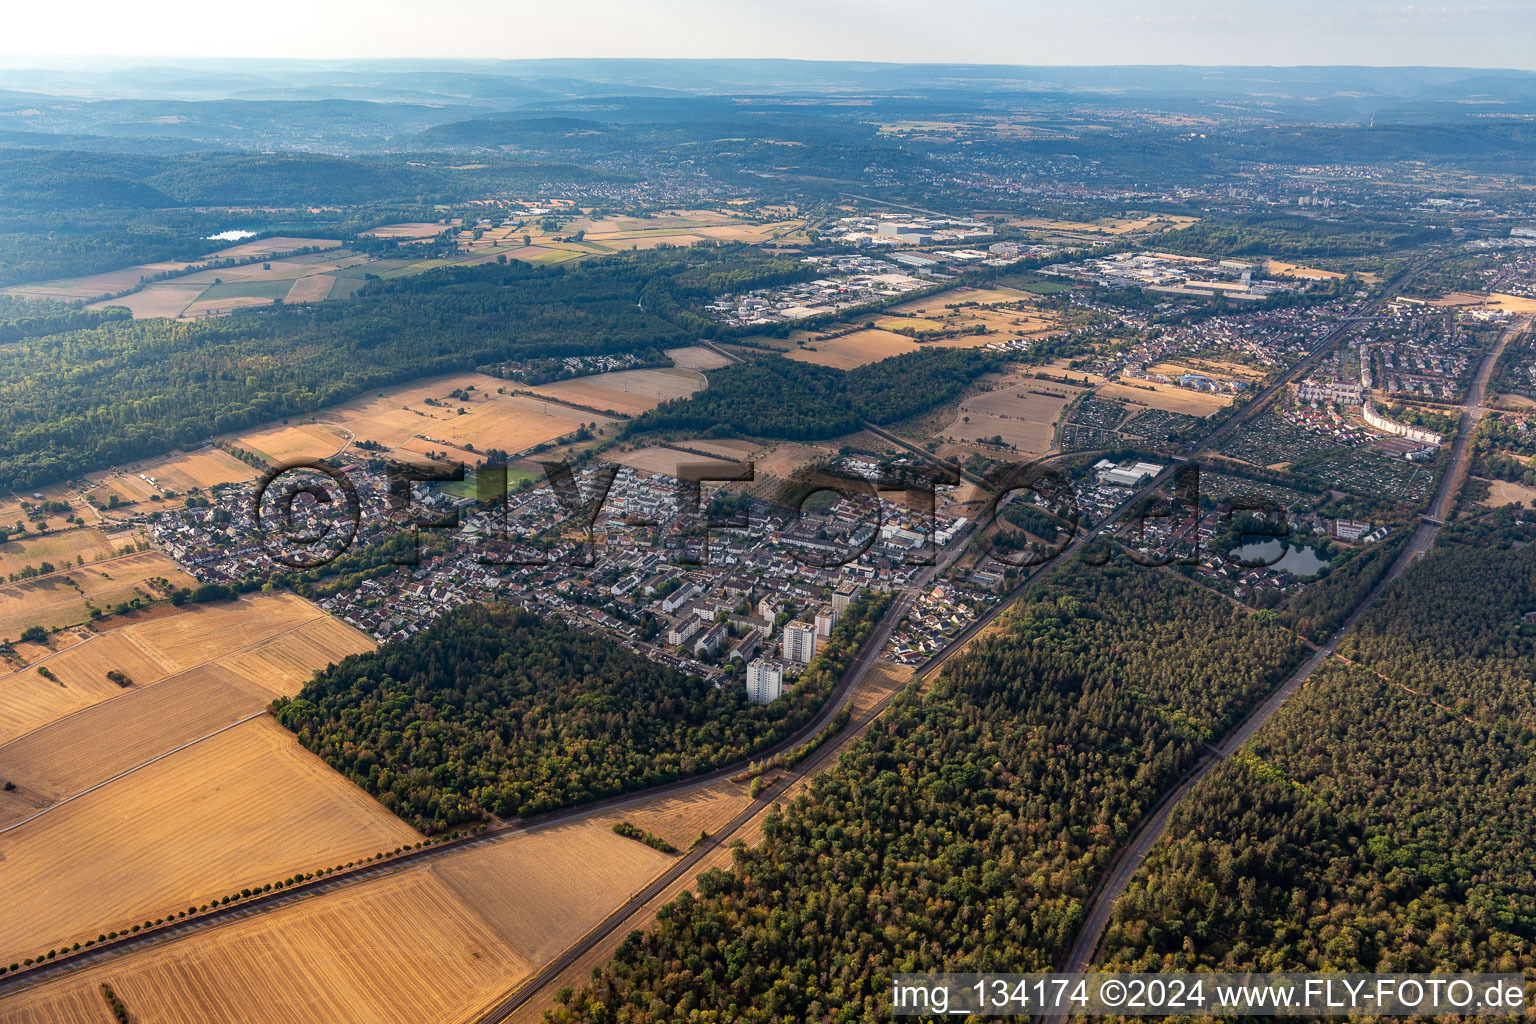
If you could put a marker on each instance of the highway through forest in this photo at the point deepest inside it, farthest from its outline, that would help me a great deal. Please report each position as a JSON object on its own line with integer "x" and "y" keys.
{"x": 530, "y": 987}
{"x": 841, "y": 695}
{"x": 1102, "y": 901}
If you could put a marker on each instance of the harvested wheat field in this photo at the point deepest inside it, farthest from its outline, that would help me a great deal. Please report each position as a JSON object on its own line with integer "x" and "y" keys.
{"x": 627, "y": 392}
{"x": 1492, "y": 301}
{"x": 275, "y": 641}
{"x": 417, "y": 229}
{"x": 397, "y": 950}
{"x": 74, "y": 289}
{"x": 1108, "y": 225}
{"x": 424, "y": 417}
{"x": 1166, "y": 397}
{"x": 513, "y": 423}
{"x": 680, "y": 819}
{"x": 283, "y": 445}
{"x": 663, "y": 460}
{"x": 1279, "y": 268}
{"x": 245, "y": 807}
{"x": 207, "y": 468}
{"x": 853, "y": 350}
{"x": 284, "y": 663}
{"x": 205, "y": 632}
{"x": 934, "y": 306}
{"x": 1023, "y": 414}
{"x": 163, "y": 298}
{"x": 208, "y": 307}
{"x": 58, "y": 549}
{"x": 696, "y": 357}
{"x": 29, "y": 700}
{"x": 542, "y": 890}
{"x": 106, "y": 739}
{"x": 783, "y": 459}
{"x": 736, "y": 451}
{"x": 66, "y": 598}
{"x": 881, "y": 681}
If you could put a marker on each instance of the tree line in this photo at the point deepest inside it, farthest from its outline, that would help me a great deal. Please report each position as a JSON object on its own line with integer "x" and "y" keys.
{"x": 965, "y": 831}
{"x": 495, "y": 710}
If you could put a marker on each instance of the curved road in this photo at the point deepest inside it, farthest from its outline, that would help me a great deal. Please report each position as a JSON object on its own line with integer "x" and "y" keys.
{"x": 840, "y": 696}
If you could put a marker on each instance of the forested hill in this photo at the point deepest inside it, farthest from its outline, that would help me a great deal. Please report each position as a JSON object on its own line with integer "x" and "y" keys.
{"x": 124, "y": 390}
{"x": 771, "y": 396}
{"x": 1381, "y": 821}
{"x": 966, "y": 830}
{"x": 495, "y": 710}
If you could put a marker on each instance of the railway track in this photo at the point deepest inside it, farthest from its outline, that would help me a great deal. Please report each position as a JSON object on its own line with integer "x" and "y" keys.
{"x": 1101, "y": 905}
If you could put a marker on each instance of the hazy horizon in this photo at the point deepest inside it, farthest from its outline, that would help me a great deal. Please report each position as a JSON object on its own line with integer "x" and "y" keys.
{"x": 1102, "y": 33}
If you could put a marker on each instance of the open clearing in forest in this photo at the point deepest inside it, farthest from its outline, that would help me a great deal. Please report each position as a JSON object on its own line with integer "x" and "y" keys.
{"x": 627, "y": 392}
{"x": 1506, "y": 492}
{"x": 696, "y": 357}
{"x": 1022, "y": 411}
{"x": 243, "y": 808}
{"x": 65, "y": 598}
{"x": 1166, "y": 397}
{"x": 851, "y": 350}
{"x": 274, "y": 641}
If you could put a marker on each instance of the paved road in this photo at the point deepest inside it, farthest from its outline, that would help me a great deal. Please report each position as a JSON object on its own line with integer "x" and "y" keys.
{"x": 840, "y": 695}
{"x": 1150, "y": 830}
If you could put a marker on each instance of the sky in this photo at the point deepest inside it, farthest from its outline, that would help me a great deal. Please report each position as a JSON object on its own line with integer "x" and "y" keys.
{"x": 1476, "y": 33}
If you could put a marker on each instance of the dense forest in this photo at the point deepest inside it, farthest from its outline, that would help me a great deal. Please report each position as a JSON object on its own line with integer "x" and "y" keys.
{"x": 965, "y": 830}
{"x": 126, "y": 389}
{"x": 498, "y": 711}
{"x": 1282, "y": 235}
{"x": 29, "y": 318}
{"x": 772, "y": 396}
{"x": 38, "y": 180}
{"x": 1324, "y": 604}
{"x": 1382, "y": 820}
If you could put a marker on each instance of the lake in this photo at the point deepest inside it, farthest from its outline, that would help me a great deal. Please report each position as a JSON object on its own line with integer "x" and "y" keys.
{"x": 1301, "y": 561}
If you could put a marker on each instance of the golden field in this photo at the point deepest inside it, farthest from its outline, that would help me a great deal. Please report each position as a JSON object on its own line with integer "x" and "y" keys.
{"x": 403, "y": 949}
{"x": 1166, "y": 397}
{"x": 429, "y": 944}
{"x": 242, "y": 808}
{"x": 422, "y": 417}
{"x": 274, "y": 641}
{"x": 626, "y": 392}
{"x": 696, "y": 357}
{"x": 60, "y": 548}
{"x": 1022, "y": 411}
{"x": 65, "y": 598}
{"x": 663, "y": 460}
{"x": 113, "y": 736}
